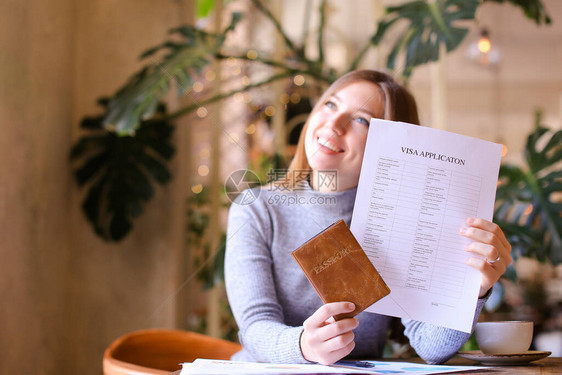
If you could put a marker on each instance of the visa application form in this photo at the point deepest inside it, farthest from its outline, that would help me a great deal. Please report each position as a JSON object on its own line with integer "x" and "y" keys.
{"x": 417, "y": 187}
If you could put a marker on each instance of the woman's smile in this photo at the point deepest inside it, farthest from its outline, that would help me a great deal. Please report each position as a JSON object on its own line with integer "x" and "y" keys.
{"x": 337, "y": 131}
{"x": 328, "y": 146}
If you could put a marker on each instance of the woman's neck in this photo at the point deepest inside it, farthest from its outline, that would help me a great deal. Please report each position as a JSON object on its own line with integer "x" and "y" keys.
{"x": 329, "y": 182}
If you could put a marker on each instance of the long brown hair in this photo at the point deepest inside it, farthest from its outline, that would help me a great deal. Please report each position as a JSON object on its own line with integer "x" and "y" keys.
{"x": 399, "y": 105}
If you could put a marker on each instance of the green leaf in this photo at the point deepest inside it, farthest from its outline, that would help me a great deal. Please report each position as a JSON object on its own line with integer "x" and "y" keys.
{"x": 91, "y": 168}
{"x": 119, "y": 227}
{"x": 138, "y": 99}
{"x": 119, "y": 172}
{"x": 87, "y": 144}
{"x": 157, "y": 170}
{"x": 428, "y": 25}
{"x": 528, "y": 206}
{"x": 533, "y": 9}
{"x": 90, "y": 123}
{"x": 138, "y": 184}
{"x": 204, "y": 7}
{"x": 91, "y": 205}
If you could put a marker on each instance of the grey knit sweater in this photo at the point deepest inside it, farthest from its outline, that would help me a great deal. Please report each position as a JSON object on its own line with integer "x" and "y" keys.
{"x": 269, "y": 294}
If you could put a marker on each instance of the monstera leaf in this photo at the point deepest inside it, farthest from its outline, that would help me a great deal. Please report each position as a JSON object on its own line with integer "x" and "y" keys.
{"x": 533, "y": 9}
{"x": 529, "y": 201}
{"x": 429, "y": 24}
{"x": 119, "y": 171}
{"x": 139, "y": 98}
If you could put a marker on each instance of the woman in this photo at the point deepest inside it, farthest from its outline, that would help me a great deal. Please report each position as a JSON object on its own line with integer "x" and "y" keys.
{"x": 280, "y": 316}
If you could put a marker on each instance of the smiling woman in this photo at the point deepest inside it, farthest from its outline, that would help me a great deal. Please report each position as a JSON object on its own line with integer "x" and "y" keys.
{"x": 346, "y": 109}
{"x": 280, "y": 316}
{"x": 337, "y": 131}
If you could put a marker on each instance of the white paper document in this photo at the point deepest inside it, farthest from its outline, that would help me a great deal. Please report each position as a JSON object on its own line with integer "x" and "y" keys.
{"x": 212, "y": 366}
{"x": 217, "y": 367}
{"x": 417, "y": 187}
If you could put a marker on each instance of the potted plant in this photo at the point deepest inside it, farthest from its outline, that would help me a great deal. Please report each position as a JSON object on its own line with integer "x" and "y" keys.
{"x": 422, "y": 28}
{"x": 529, "y": 198}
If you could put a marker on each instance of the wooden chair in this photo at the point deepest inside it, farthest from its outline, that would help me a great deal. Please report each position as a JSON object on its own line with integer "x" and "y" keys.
{"x": 160, "y": 351}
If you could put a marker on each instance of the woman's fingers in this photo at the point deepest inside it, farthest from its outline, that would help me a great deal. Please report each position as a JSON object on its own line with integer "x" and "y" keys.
{"x": 490, "y": 244}
{"x": 328, "y": 310}
{"x": 486, "y": 230}
{"x": 338, "y": 342}
{"x": 338, "y": 330}
{"x": 490, "y": 241}
{"x": 324, "y": 340}
{"x": 321, "y": 331}
{"x": 331, "y": 350}
{"x": 486, "y": 251}
{"x": 336, "y": 355}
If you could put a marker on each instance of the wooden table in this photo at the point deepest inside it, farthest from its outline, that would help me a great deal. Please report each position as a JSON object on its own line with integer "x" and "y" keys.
{"x": 549, "y": 365}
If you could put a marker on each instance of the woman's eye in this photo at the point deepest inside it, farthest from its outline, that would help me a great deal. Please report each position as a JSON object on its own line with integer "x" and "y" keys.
{"x": 362, "y": 120}
{"x": 331, "y": 105}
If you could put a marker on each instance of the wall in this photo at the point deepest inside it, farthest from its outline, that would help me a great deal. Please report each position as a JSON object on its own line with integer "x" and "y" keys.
{"x": 65, "y": 293}
{"x": 36, "y": 57}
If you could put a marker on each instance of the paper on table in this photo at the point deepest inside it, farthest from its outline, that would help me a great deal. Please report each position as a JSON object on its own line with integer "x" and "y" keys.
{"x": 211, "y": 366}
{"x": 417, "y": 187}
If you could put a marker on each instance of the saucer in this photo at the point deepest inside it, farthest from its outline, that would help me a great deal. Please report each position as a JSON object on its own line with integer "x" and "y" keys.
{"x": 503, "y": 359}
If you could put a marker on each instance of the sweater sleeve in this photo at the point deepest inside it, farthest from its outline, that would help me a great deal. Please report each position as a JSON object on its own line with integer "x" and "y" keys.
{"x": 435, "y": 344}
{"x": 251, "y": 291}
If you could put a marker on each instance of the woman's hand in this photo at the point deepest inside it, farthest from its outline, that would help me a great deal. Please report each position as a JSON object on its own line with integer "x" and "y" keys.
{"x": 489, "y": 243}
{"x": 325, "y": 340}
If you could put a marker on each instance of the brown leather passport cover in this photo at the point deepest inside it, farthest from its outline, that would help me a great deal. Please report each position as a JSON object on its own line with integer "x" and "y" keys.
{"x": 339, "y": 270}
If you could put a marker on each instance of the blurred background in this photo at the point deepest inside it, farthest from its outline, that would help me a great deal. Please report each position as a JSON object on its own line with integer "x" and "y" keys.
{"x": 81, "y": 268}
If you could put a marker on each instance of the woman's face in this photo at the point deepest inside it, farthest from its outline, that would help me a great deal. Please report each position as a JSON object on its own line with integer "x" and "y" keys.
{"x": 337, "y": 131}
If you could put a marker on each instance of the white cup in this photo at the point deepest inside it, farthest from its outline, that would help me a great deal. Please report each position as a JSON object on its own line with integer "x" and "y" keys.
{"x": 508, "y": 337}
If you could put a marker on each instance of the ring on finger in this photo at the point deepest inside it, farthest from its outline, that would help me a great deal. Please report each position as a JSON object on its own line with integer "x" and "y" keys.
{"x": 494, "y": 260}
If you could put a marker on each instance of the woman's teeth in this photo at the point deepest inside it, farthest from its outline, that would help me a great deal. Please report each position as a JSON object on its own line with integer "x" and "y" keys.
{"x": 326, "y": 143}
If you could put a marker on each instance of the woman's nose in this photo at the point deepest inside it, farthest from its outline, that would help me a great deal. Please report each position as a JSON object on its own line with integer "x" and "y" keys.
{"x": 338, "y": 123}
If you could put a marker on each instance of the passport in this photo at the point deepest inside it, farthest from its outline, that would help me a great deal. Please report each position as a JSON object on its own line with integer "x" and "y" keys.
{"x": 339, "y": 270}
